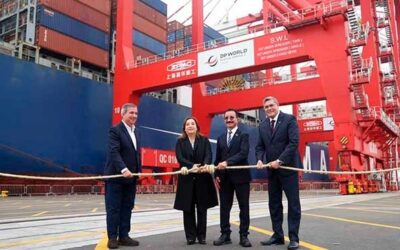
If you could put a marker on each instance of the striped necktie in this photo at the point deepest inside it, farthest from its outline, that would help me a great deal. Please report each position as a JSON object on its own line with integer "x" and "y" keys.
{"x": 229, "y": 137}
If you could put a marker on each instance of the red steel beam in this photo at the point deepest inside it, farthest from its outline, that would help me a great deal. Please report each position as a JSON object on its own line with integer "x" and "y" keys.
{"x": 299, "y": 4}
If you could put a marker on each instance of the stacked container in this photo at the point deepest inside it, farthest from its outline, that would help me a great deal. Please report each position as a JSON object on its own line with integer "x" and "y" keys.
{"x": 180, "y": 36}
{"x": 149, "y": 26}
{"x": 75, "y": 28}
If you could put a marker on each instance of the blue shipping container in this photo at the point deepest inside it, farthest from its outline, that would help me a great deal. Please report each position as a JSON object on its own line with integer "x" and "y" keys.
{"x": 143, "y": 41}
{"x": 179, "y": 34}
{"x": 72, "y": 27}
{"x": 210, "y": 32}
{"x": 171, "y": 37}
{"x": 158, "y": 5}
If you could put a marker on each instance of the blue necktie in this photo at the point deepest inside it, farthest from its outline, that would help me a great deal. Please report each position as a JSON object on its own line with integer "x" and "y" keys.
{"x": 229, "y": 137}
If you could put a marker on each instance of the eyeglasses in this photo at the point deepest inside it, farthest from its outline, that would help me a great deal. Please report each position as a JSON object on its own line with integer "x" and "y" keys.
{"x": 229, "y": 117}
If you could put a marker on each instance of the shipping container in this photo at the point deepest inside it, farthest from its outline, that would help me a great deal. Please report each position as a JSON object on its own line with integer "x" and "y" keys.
{"x": 81, "y": 12}
{"x": 144, "y": 41}
{"x": 72, "y": 27}
{"x": 179, "y": 34}
{"x": 170, "y": 46}
{"x": 174, "y": 25}
{"x": 158, "y": 5}
{"x": 104, "y": 6}
{"x": 150, "y": 14}
{"x": 211, "y": 33}
{"x": 57, "y": 42}
{"x": 188, "y": 41}
{"x": 149, "y": 28}
{"x": 171, "y": 37}
{"x": 139, "y": 53}
{"x": 188, "y": 30}
{"x": 179, "y": 44}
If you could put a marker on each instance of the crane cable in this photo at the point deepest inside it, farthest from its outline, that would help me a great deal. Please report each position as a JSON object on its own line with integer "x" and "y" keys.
{"x": 205, "y": 5}
{"x": 179, "y": 9}
{"x": 212, "y": 9}
{"x": 227, "y": 12}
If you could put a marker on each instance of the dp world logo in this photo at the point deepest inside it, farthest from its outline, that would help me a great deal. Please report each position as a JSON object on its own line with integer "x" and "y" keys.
{"x": 212, "y": 61}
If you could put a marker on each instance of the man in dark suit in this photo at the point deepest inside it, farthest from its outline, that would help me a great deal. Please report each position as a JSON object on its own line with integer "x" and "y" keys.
{"x": 233, "y": 149}
{"x": 278, "y": 143}
{"x": 123, "y": 156}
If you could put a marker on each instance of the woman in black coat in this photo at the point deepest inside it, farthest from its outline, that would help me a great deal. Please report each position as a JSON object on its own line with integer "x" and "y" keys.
{"x": 195, "y": 189}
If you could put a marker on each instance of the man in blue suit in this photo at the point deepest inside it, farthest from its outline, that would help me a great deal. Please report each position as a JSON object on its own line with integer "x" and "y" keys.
{"x": 233, "y": 149}
{"x": 278, "y": 145}
{"x": 123, "y": 156}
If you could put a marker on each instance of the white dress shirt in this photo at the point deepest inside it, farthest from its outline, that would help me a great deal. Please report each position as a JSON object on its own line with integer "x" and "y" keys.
{"x": 233, "y": 133}
{"x": 131, "y": 132}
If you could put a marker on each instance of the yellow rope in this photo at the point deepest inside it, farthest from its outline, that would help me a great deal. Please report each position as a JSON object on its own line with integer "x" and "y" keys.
{"x": 184, "y": 171}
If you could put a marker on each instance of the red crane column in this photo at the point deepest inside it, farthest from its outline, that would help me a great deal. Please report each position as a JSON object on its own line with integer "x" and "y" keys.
{"x": 373, "y": 88}
{"x": 199, "y": 89}
{"x": 122, "y": 92}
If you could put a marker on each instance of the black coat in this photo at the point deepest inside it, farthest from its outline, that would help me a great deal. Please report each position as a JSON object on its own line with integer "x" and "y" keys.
{"x": 282, "y": 144}
{"x": 122, "y": 154}
{"x": 203, "y": 183}
{"x": 235, "y": 155}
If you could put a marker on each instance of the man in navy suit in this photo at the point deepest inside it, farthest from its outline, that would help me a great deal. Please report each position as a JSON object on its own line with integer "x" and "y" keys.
{"x": 278, "y": 143}
{"x": 233, "y": 149}
{"x": 123, "y": 156}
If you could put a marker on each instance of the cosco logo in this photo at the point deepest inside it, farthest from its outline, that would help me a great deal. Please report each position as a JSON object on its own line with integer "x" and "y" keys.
{"x": 181, "y": 65}
{"x": 312, "y": 123}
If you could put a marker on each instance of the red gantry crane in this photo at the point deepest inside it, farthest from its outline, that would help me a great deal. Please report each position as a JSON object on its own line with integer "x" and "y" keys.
{"x": 356, "y": 62}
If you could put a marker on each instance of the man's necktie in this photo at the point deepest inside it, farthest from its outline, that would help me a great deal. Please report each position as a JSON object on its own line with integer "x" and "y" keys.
{"x": 229, "y": 137}
{"x": 272, "y": 126}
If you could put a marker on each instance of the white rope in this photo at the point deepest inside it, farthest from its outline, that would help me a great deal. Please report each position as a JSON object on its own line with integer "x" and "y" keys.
{"x": 185, "y": 171}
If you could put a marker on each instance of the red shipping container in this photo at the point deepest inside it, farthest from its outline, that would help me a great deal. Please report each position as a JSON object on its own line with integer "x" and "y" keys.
{"x": 174, "y": 25}
{"x": 170, "y": 46}
{"x": 139, "y": 53}
{"x": 81, "y": 12}
{"x": 179, "y": 44}
{"x": 149, "y": 28}
{"x": 150, "y": 14}
{"x": 104, "y": 6}
{"x": 71, "y": 47}
{"x": 188, "y": 30}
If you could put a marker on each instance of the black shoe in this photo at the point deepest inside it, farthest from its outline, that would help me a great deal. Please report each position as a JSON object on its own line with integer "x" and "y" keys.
{"x": 191, "y": 241}
{"x": 112, "y": 243}
{"x": 223, "y": 240}
{"x": 293, "y": 245}
{"x": 244, "y": 241}
{"x": 202, "y": 241}
{"x": 128, "y": 241}
{"x": 273, "y": 241}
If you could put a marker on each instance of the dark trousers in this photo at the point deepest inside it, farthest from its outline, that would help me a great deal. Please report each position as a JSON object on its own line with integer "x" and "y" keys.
{"x": 193, "y": 229}
{"x": 120, "y": 200}
{"x": 226, "y": 197}
{"x": 290, "y": 185}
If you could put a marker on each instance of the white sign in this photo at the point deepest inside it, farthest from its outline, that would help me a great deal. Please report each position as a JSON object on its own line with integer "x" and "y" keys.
{"x": 226, "y": 58}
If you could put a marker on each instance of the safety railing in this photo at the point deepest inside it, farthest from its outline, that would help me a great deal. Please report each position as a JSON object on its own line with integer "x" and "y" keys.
{"x": 377, "y": 113}
{"x": 180, "y": 52}
{"x": 363, "y": 73}
{"x": 359, "y": 36}
{"x": 32, "y": 190}
{"x": 315, "y": 12}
